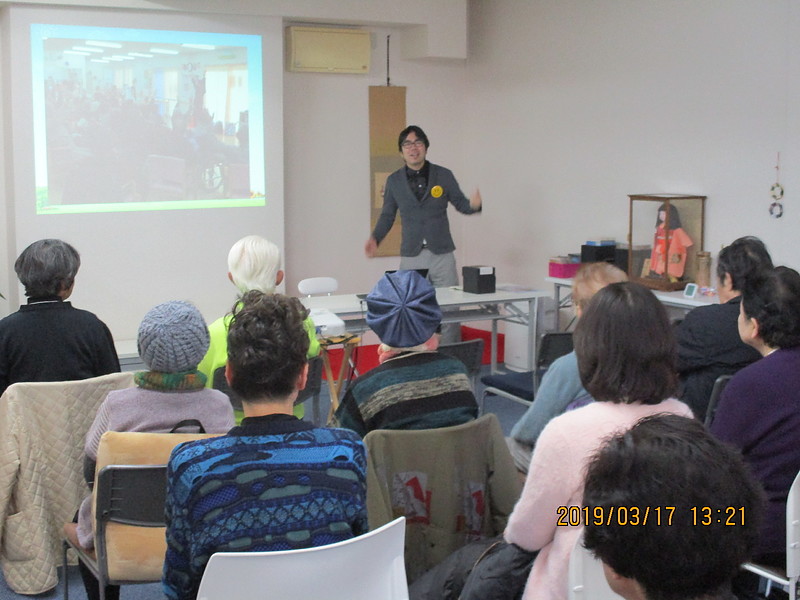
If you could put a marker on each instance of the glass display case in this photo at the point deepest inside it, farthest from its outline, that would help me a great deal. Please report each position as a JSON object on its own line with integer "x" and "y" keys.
{"x": 665, "y": 234}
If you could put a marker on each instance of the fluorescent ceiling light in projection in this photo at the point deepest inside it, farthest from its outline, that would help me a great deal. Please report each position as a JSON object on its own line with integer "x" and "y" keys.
{"x": 140, "y": 119}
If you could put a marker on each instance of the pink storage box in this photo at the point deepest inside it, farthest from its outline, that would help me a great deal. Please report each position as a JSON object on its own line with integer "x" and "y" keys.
{"x": 563, "y": 270}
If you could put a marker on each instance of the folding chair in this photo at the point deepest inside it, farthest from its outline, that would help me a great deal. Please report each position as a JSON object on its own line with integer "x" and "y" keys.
{"x": 586, "y": 578}
{"x": 328, "y": 285}
{"x": 127, "y": 495}
{"x": 521, "y": 387}
{"x": 453, "y": 484}
{"x": 716, "y": 392}
{"x": 43, "y": 426}
{"x": 366, "y": 567}
{"x": 312, "y": 389}
{"x": 470, "y": 353}
{"x": 317, "y": 285}
{"x": 789, "y": 576}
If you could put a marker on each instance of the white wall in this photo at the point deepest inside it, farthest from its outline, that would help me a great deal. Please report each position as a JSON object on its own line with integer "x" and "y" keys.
{"x": 582, "y": 103}
{"x": 5, "y": 119}
{"x": 327, "y": 159}
{"x": 561, "y": 109}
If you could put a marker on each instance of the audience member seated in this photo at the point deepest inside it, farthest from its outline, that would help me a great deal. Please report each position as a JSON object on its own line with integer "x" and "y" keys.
{"x": 626, "y": 360}
{"x": 759, "y": 411}
{"x": 169, "y": 397}
{"x": 561, "y": 384}
{"x": 708, "y": 339}
{"x": 414, "y": 387}
{"x": 275, "y": 482}
{"x": 253, "y": 264}
{"x": 47, "y": 339}
{"x": 685, "y": 553}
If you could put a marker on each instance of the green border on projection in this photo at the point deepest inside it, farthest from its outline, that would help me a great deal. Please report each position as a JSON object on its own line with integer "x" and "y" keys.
{"x": 70, "y": 209}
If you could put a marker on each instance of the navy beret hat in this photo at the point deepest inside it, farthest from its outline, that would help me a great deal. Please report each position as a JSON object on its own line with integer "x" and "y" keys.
{"x": 402, "y": 309}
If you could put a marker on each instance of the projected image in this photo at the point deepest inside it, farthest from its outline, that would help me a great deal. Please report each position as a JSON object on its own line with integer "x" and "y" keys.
{"x": 132, "y": 119}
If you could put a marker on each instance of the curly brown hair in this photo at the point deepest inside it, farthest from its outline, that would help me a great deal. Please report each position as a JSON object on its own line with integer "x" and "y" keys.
{"x": 267, "y": 346}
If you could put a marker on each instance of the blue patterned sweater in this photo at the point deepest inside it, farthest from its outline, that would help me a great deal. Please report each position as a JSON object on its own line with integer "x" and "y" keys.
{"x": 274, "y": 483}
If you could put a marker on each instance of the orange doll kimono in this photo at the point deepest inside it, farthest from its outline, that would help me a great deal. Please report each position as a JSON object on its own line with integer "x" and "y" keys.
{"x": 672, "y": 259}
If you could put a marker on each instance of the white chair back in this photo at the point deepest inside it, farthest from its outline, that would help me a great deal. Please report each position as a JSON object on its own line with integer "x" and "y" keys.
{"x": 790, "y": 578}
{"x": 318, "y": 285}
{"x": 367, "y": 567}
{"x": 587, "y": 581}
{"x": 793, "y": 535}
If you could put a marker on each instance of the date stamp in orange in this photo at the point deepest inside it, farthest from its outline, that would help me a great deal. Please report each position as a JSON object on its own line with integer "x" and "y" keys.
{"x": 702, "y": 516}
{"x": 572, "y": 516}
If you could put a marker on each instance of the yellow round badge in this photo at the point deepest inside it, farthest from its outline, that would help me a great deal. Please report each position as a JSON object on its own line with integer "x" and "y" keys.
{"x": 437, "y": 191}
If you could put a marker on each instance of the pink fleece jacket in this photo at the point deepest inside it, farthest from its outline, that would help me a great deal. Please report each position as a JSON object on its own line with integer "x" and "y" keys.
{"x": 556, "y": 478}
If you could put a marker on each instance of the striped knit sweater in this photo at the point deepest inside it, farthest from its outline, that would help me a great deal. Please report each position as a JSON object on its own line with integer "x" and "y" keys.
{"x": 274, "y": 483}
{"x": 413, "y": 390}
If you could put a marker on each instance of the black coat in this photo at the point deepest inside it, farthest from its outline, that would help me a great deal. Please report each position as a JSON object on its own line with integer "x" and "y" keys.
{"x": 709, "y": 346}
{"x": 490, "y": 569}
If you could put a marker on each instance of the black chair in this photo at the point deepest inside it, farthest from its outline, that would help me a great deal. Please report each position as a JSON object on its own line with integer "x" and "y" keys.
{"x": 127, "y": 495}
{"x": 521, "y": 387}
{"x": 719, "y": 385}
{"x": 553, "y": 346}
{"x": 221, "y": 383}
{"x": 312, "y": 389}
{"x": 469, "y": 352}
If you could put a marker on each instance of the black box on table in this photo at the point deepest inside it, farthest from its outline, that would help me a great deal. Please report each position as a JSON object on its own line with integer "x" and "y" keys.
{"x": 478, "y": 279}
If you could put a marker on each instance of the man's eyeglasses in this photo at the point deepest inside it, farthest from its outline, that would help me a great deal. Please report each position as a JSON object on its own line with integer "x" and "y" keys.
{"x": 409, "y": 144}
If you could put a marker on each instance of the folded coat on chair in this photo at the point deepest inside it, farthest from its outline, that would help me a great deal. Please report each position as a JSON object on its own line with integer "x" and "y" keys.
{"x": 454, "y": 485}
{"x": 42, "y": 431}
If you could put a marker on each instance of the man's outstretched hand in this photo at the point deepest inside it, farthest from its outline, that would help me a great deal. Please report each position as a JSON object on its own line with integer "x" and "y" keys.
{"x": 371, "y": 247}
{"x": 475, "y": 202}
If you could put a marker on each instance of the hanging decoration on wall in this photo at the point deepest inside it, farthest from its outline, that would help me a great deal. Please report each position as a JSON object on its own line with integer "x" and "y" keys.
{"x": 387, "y": 116}
{"x": 388, "y": 79}
{"x": 776, "y": 191}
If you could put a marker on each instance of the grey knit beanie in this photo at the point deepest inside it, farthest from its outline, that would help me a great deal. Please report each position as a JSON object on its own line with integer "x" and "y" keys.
{"x": 173, "y": 337}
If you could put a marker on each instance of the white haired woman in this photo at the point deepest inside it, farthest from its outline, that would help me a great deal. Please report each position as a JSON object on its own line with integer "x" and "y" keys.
{"x": 253, "y": 264}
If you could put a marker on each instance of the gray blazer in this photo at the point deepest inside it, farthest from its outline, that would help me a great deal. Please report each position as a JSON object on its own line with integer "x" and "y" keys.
{"x": 424, "y": 219}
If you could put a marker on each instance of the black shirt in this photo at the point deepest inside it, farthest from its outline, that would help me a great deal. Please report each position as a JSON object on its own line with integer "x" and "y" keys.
{"x": 418, "y": 180}
{"x": 49, "y": 340}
